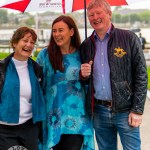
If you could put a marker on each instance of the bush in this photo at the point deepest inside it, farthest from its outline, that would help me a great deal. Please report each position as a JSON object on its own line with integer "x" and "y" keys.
{"x": 3, "y": 55}
{"x": 148, "y": 71}
{"x": 35, "y": 53}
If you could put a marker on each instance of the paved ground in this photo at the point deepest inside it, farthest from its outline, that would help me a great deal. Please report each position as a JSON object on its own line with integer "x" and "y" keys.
{"x": 145, "y": 129}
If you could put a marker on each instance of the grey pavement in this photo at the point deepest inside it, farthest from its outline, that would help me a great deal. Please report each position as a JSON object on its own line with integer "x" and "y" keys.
{"x": 144, "y": 129}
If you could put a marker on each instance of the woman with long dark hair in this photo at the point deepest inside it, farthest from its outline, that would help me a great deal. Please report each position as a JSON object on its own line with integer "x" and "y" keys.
{"x": 67, "y": 126}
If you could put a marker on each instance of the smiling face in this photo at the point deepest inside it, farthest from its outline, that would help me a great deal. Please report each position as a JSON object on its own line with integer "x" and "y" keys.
{"x": 23, "y": 48}
{"x": 99, "y": 18}
{"x": 62, "y": 34}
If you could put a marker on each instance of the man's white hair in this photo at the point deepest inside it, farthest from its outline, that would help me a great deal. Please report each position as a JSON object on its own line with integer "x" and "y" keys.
{"x": 97, "y": 3}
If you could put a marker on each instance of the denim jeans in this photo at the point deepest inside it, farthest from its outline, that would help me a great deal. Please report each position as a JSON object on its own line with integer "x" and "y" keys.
{"x": 107, "y": 125}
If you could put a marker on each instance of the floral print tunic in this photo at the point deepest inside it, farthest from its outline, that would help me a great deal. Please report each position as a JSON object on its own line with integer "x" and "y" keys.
{"x": 65, "y": 100}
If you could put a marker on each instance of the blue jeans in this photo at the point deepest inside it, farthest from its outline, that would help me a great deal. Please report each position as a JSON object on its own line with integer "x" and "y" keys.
{"x": 107, "y": 125}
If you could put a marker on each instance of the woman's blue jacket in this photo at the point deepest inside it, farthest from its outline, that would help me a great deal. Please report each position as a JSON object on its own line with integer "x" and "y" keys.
{"x": 10, "y": 89}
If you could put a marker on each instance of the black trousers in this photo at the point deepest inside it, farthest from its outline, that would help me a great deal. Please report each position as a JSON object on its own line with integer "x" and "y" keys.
{"x": 69, "y": 142}
{"x": 25, "y": 135}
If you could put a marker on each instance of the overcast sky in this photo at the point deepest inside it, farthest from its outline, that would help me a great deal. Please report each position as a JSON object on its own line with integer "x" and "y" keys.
{"x": 144, "y": 4}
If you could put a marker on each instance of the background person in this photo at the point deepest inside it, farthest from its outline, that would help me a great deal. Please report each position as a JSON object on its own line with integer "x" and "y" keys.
{"x": 142, "y": 40}
{"x": 118, "y": 81}
{"x": 67, "y": 126}
{"x": 22, "y": 103}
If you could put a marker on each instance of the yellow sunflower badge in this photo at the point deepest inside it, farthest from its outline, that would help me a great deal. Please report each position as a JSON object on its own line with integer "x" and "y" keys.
{"x": 119, "y": 52}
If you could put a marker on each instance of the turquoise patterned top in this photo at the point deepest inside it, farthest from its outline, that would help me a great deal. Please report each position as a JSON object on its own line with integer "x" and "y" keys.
{"x": 65, "y": 100}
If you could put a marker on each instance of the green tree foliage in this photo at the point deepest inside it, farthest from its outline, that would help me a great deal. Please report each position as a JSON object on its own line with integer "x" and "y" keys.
{"x": 145, "y": 16}
{"x": 30, "y": 21}
{"x": 116, "y": 18}
{"x": 45, "y": 19}
{"x": 3, "y": 16}
{"x": 134, "y": 18}
{"x": 125, "y": 18}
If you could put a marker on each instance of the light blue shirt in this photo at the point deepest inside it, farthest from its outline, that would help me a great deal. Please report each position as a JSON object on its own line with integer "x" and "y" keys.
{"x": 101, "y": 70}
